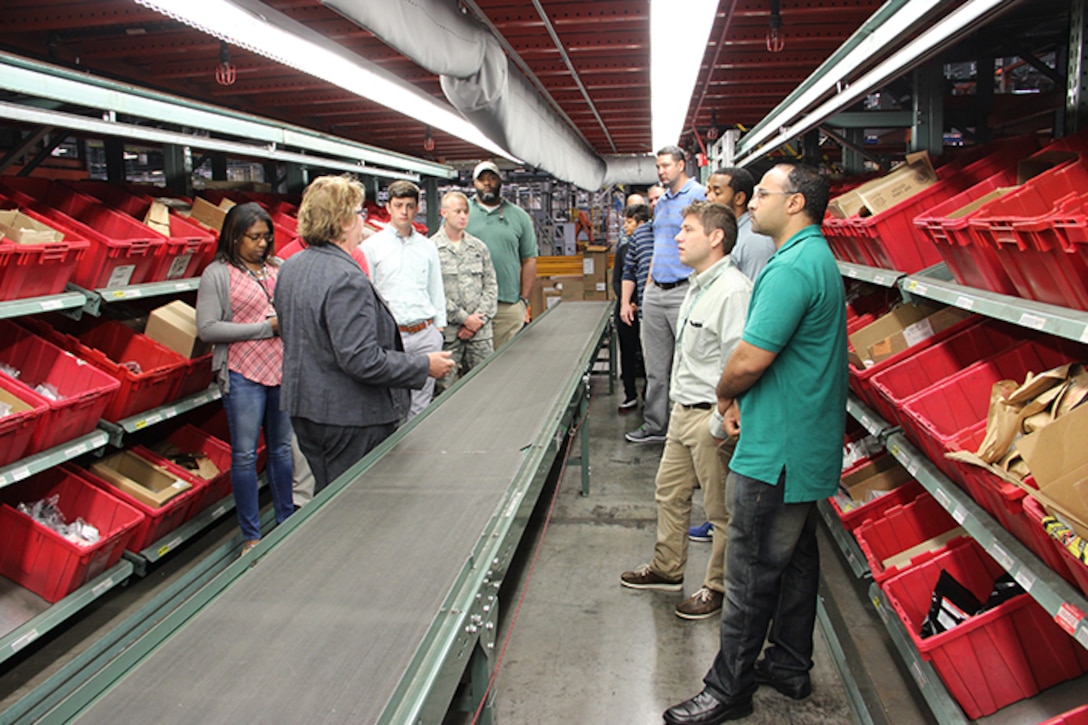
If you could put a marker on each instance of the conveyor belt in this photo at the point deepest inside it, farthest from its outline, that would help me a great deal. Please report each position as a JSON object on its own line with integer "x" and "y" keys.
{"x": 338, "y": 618}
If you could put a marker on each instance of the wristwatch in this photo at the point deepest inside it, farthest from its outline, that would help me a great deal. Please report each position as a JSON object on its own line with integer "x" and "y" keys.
{"x": 525, "y": 300}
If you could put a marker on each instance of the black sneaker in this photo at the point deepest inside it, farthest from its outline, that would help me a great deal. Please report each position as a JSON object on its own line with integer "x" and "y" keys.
{"x": 644, "y": 436}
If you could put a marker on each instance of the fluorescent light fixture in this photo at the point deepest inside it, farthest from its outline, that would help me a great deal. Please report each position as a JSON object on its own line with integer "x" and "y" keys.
{"x": 968, "y": 15}
{"x": 262, "y": 30}
{"x": 679, "y": 32}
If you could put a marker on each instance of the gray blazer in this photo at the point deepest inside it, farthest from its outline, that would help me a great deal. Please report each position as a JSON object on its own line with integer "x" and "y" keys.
{"x": 343, "y": 361}
{"x": 214, "y": 320}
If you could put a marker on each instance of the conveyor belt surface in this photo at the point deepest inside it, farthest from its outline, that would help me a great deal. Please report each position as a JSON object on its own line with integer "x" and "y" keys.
{"x": 324, "y": 626}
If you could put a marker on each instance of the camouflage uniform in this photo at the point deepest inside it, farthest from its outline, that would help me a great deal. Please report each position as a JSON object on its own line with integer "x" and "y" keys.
{"x": 468, "y": 278}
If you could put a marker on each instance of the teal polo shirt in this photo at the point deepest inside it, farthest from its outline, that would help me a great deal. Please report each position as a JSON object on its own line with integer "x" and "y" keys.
{"x": 510, "y": 237}
{"x": 793, "y": 418}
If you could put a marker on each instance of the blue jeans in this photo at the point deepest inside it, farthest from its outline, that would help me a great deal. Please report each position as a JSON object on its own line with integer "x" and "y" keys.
{"x": 248, "y": 406}
{"x": 772, "y": 576}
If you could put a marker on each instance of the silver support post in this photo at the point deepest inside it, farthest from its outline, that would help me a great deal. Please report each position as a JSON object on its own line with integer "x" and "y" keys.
{"x": 1076, "y": 86}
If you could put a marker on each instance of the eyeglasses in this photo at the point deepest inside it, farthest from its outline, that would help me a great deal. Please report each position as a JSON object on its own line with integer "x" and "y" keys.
{"x": 761, "y": 193}
{"x": 267, "y": 236}
{"x": 362, "y": 213}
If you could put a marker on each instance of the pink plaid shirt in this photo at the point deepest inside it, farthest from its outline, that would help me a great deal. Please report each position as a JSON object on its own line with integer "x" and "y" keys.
{"x": 258, "y": 360}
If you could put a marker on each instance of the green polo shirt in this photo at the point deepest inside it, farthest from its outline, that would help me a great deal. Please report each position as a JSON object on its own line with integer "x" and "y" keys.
{"x": 509, "y": 235}
{"x": 793, "y": 418}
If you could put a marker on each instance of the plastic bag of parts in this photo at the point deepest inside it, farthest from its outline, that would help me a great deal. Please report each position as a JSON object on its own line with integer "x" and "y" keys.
{"x": 953, "y": 603}
{"x": 10, "y": 371}
{"x": 47, "y": 513}
{"x": 48, "y": 391}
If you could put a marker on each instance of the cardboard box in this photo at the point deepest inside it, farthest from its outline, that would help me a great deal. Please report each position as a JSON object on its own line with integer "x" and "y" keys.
{"x": 174, "y": 325}
{"x": 878, "y": 195}
{"x": 1058, "y": 459}
{"x": 569, "y": 287}
{"x": 18, "y": 405}
{"x": 881, "y": 474}
{"x": 209, "y": 214}
{"x": 139, "y": 478}
{"x": 937, "y": 542}
{"x": 158, "y": 218}
{"x": 903, "y": 327}
{"x": 595, "y": 266}
{"x": 21, "y": 229}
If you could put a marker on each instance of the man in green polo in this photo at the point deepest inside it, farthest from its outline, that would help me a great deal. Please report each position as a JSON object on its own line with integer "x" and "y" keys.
{"x": 783, "y": 391}
{"x": 509, "y": 235}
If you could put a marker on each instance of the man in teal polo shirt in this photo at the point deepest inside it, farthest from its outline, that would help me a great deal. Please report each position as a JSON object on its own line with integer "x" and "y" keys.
{"x": 783, "y": 391}
{"x": 510, "y": 237}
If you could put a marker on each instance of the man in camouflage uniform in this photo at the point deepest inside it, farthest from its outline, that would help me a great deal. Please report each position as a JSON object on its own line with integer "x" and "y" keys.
{"x": 471, "y": 289}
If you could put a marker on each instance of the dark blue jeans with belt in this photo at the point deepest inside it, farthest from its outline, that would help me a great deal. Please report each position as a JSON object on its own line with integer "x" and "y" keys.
{"x": 772, "y": 574}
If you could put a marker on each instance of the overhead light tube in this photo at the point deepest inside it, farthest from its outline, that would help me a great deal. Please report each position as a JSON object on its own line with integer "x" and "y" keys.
{"x": 679, "y": 32}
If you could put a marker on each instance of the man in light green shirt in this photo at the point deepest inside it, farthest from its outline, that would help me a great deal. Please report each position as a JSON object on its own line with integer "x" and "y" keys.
{"x": 709, "y": 326}
{"x": 510, "y": 237}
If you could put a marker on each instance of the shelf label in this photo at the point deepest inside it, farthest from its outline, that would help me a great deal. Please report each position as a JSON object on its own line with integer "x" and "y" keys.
{"x": 1031, "y": 321}
{"x": 75, "y": 450}
{"x": 851, "y": 272}
{"x": 1002, "y": 557}
{"x": 866, "y": 423}
{"x": 183, "y": 286}
{"x": 1082, "y": 637}
{"x": 880, "y": 609}
{"x": 170, "y": 412}
{"x": 18, "y": 474}
{"x": 103, "y": 587}
{"x": 965, "y": 303}
{"x": 895, "y": 450}
{"x": 919, "y": 676}
{"x": 879, "y": 279}
{"x": 140, "y": 424}
{"x": 48, "y": 305}
{"x": 1068, "y": 617}
{"x": 959, "y": 514}
{"x": 1025, "y": 579}
{"x": 169, "y": 546}
{"x": 920, "y": 289}
{"x": 219, "y": 511}
{"x": 912, "y": 467}
{"x": 25, "y": 640}
{"x": 1084, "y": 335}
{"x": 943, "y": 498}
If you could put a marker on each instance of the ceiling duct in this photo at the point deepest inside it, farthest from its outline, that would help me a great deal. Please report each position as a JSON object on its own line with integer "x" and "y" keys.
{"x": 491, "y": 92}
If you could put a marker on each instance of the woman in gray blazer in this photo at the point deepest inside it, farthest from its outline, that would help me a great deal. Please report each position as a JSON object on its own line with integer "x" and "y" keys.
{"x": 235, "y": 312}
{"x": 345, "y": 373}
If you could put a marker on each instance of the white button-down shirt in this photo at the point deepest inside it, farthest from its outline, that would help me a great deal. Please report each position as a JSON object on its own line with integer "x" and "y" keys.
{"x": 408, "y": 274}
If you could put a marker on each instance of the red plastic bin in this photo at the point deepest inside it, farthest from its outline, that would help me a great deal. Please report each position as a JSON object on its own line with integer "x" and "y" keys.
{"x": 1073, "y": 569}
{"x": 901, "y": 528}
{"x": 935, "y": 418}
{"x": 197, "y": 377}
{"x": 108, "y": 345}
{"x": 875, "y": 509}
{"x": 42, "y": 560}
{"x": 899, "y": 383}
{"x": 17, "y": 428}
{"x": 995, "y": 658}
{"x": 35, "y": 270}
{"x": 1076, "y": 716}
{"x": 188, "y": 247}
{"x": 860, "y": 377}
{"x": 123, "y": 251}
{"x": 158, "y": 521}
{"x": 190, "y": 439}
{"x": 85, "y": 390}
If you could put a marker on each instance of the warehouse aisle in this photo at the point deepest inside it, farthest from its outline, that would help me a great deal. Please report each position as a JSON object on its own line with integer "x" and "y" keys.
{"x": 586, "y": 650}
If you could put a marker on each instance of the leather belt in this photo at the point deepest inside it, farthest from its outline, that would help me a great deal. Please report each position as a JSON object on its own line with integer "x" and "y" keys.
{"x": 411, "y": 329}
{"x": 697, "y": 406}
{"x": 670, "y": 285}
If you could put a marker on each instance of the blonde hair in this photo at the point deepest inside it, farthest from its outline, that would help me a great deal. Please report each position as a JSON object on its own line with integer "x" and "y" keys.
{"x": 328, "y": 205}
{"x": 451, "y": 195}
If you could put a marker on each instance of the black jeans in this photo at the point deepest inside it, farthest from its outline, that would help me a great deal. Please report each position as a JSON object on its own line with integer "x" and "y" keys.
{"x": 772, "y": 576}
{"x": 332, "y": 449}
{"x": 630, "y": 345}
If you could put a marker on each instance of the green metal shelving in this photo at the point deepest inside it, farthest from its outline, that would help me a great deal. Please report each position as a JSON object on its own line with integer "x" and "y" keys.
{"x": 39, "y": 462}
{"x": 36, "y": 305}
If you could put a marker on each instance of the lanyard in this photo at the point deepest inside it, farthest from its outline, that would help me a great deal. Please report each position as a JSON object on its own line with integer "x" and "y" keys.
{"x": 267, "y": 294}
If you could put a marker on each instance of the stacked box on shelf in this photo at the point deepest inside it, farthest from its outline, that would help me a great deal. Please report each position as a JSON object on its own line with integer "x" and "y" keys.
{"x": 935, "y": 418}
{"x": 189, "y": 439}
{"x": 881, "y": 473}
{"x": 284, "y": 234}
{"x": 159, "y": 518}
{"x": 43, "y": 561}
{"x": 83, "y": 391}
{"x": 35, "y": 270}
{"x": 25, "y": 410}
{"x": 897, "y": 384}
{"x": 903, "y": 534}
{"x": 111, "y": 347}
{"x": 188, "y": 247}
{"x": 996, "y": 657}
{"x": 122, "y": 250}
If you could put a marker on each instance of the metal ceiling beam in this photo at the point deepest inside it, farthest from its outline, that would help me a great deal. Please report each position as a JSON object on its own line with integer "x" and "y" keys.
{"x": 44, "y": 81}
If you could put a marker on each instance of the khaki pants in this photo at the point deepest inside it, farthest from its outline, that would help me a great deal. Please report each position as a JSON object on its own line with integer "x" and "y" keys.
{"x": 507, "y": 321}
{"x": 692, "y": 456}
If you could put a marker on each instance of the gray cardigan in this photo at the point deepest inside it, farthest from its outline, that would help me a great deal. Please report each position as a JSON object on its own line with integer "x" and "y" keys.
{"x": 214, "y": 320}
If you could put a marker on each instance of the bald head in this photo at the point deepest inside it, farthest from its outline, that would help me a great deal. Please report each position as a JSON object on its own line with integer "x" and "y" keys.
{"x": 633, "y": 199}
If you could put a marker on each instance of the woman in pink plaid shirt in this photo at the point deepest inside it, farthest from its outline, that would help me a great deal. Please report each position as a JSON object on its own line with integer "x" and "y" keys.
{"x": 235, "y": 312}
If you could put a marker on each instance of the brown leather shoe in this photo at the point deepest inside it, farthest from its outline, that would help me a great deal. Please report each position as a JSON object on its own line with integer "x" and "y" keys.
{"x": 702, "y": 604}
{"x": 646, "y": 578}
